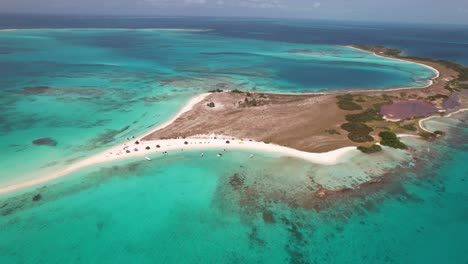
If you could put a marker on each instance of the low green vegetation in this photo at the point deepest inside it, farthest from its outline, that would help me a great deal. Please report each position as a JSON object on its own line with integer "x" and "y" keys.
{"x": 215, "y": 91}
{"x": 427, "y": 135}
{"x": 437, "y": 96}
{"x": 431, "y": 136}
{"x": 358, "y": 132}
{"x": 454, "y": 84}
{"x": 371, "y": 149}
{"x": 462, "y": 70}
{"x": 250, "y": 103}
{"x": 356, "y": 128}
{"x": 237, "y": 91}
{"x": 391, "y": 140}
{"x": 332, "y": 131}
{"x": 360, "y": 138}
{"x": 409, "y": 127}
{"x": 360, "y": 100}
{"x": 366, "y": 116}
{"x": 345, "y": 102}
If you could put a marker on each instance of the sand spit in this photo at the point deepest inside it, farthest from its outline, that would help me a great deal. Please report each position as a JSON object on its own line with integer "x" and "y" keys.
{"x": 135, "y": 148}
{"x": 145, "y": 149}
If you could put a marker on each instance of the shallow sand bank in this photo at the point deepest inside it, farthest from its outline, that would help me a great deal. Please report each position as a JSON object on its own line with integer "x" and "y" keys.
{"x": 197, "y": 142}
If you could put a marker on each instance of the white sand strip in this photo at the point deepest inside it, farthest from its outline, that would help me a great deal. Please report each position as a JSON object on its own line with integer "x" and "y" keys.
{"x": 437, "y": 73}
{"x": 209, "y": 142}
{"x": 200, "y": 142}
{"x": 421, "y": 122}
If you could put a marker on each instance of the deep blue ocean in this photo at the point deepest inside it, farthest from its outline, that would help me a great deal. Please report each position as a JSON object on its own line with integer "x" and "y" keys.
{"x": 448, "y": 42}
{"x": 90, "y": 82}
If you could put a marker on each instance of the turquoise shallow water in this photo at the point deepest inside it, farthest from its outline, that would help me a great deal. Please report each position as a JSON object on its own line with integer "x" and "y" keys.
{"x": 89, "y": 89}
{"x": 184, "y": 208}
{"x": 106, "y": 85}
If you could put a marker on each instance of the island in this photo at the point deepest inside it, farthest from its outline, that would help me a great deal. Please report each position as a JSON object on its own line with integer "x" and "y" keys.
{"x": 325, "y": 122}
{"x": 319, "y": 127}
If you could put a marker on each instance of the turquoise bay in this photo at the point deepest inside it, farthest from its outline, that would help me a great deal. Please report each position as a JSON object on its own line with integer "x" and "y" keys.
{"x": 184, "y": 208}
{"x": 90, "y": 89}
{"x": 101, "y": 86}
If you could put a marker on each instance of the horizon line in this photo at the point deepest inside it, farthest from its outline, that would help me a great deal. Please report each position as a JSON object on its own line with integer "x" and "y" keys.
{"x": 175, "y": 16}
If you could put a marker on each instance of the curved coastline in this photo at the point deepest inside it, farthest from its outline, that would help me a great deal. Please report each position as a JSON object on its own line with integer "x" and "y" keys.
{"x": 200, "y": 142}
{"x": 431, "y": 80}
{"x": 207, "y": 142}
{"x": 421, "y": 122}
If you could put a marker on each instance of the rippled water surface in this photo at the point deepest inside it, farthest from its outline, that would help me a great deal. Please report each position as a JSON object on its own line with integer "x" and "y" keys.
{"x": 84, "y": 90}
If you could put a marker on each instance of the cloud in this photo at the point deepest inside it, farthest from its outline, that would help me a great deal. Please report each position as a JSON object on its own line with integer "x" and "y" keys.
{"x": 195, "y": 2}
{"x": 262, "y": 4}
{"x": 317, "y": 4}
{"x": 167, "y": 3}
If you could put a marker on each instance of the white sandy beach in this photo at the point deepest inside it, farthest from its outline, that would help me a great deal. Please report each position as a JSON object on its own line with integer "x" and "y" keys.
{"x": 200, "y": 142}
{"x": 431, "y": 81}
{"x": 421, "y": 122}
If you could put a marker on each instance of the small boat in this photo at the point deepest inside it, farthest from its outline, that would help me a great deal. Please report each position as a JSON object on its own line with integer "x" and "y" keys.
{"x": 203, "y": 154}
{"x": 219, "y": 155}
{"x": 147, "y": 158}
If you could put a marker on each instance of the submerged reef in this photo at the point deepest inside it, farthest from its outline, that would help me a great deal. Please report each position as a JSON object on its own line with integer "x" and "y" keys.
{"x": 45, "y": 142}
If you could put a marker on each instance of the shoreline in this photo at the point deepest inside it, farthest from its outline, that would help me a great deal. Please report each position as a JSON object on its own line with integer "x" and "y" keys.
{"x": 431, "y": 80}
{"x": 209, "y": 142}
{"x": 206, "y": 142}
{"x": 421, "y": 122}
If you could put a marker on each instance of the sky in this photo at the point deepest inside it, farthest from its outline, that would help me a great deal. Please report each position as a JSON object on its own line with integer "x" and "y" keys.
{"x": 448, "y": 11}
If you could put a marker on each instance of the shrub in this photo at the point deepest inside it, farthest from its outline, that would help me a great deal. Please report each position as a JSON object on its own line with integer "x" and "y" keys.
{"x": 332, "y": 131}
{"x": 372, "y": 149}
{"x": 366, "y": 116}
{"x": 437, "y": 96}
{"x": 410, "y": 127}
{"x": 427, "y": 135}
{"x": 360, "y": 138}
{"x": 345, "y": 97}
{"x": 357, "y": 128}
{"x": 237, "y": 91}
{"x": 345, "y": 102}
{"x": 211, "y": 104}
{"x": 391, "y": 140}
{"x": 215, "y": 91}
{"x": 348, "y": 106}
{"x": 250, "y": 103}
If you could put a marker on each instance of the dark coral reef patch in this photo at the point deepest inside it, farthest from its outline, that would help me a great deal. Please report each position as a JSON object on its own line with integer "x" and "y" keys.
{"x": 47, "y": 141}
